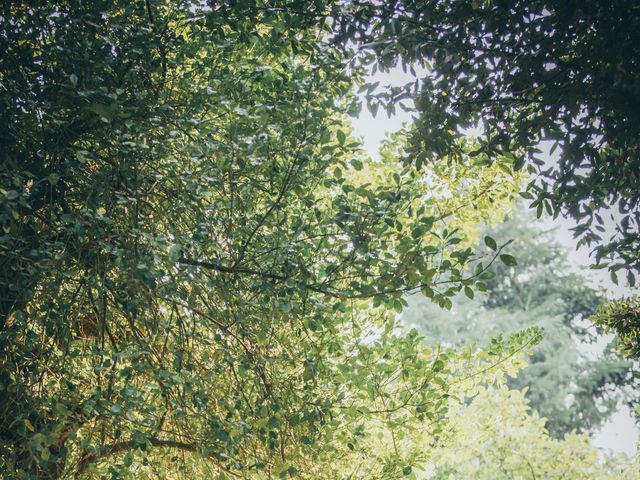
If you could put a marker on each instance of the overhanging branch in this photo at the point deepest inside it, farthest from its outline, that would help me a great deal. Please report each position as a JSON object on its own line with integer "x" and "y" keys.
{"x": 121, "y": 447}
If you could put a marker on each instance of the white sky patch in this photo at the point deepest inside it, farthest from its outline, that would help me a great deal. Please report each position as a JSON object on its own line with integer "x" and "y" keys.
{"x": 619, "y": 434}
{"x": 374, "y": 130}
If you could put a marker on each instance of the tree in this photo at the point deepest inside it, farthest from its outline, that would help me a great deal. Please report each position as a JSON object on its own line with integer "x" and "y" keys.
{"x": 541, "y": 290}
{"x": 200, "y": 270}
{"x": 623, "y": 317}
{"x": 565, "y": 72}
{"x": 199, "y": 273}
{"x": 496, "y": 436}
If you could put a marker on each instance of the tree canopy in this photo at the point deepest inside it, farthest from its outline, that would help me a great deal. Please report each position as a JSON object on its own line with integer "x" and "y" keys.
{"x": 200, "y": 270}
{"x": 564, "y": 72}
{"x": 518, "y": 445}
{"x": 542, "y": 290}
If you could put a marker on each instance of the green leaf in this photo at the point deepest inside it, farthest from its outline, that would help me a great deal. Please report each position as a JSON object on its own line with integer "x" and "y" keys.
{"x": 341, "y": 137}
{"x": 45, "y": 454}
{"x": 286, "y": 307}
{"x": 508, "y": 260}
{"x": 418, "y": 232}
{"x": 614, "y": 277}
{"x": 469, "y": 292}
{"x": 526, "y": 195}
{"x": 490, "y": 242}
{"x": 488, "y": 275}
{"x": 175, "y": 252}
{"x": 518, "y": 162}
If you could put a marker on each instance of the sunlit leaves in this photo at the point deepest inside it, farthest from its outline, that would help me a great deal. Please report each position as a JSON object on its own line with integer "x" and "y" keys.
{"x": 201, "y": 259}
{"x": 517, "y": 445}
{"x": 623, "y": 317}
{"x": 527, "y": 94}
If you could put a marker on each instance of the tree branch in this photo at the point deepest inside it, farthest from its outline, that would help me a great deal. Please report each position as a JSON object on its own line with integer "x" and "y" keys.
{"x": 121, "y": 447}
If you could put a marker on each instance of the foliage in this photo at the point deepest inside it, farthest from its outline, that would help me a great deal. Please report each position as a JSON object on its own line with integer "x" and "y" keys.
{"x": 560, "y": 71}
{"x": 623, "y": 317}
{"x": 541, "y": 290}
{"x": 465, "y": 194}
{"x": 497, "y": 437}
{"x": 195, "y": 279}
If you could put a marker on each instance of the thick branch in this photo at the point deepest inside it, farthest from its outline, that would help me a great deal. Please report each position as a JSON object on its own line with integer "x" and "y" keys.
{"x": 121, "y": 447}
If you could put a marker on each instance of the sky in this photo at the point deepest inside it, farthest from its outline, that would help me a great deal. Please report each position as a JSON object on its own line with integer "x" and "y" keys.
{"x": 620, "y": 434}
